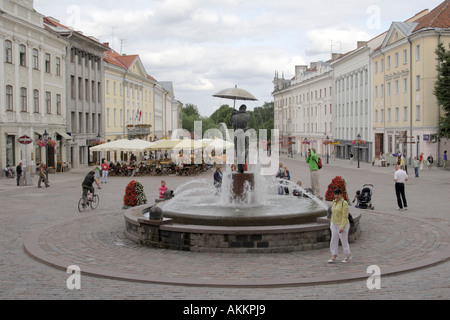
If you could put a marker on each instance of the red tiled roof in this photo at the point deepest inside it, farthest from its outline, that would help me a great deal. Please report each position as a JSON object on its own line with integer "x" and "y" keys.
{"x": 123, "y": 61}
{"x": 439, "y": 17}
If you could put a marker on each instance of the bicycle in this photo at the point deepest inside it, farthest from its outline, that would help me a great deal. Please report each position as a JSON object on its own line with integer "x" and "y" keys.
{"x": 85, "y": 202}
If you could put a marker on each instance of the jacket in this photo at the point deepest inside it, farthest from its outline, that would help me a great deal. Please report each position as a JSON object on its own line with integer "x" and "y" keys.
{"x": 162, "y": 191}
{"x": 340, "y": 211}
{"x": 313, "y": 161}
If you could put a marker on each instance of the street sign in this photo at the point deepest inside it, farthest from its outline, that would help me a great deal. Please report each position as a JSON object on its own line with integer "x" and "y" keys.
{"x": 25, "y": 140}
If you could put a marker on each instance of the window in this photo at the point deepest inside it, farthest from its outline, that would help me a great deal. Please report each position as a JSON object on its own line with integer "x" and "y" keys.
{"x": 405, "y": 56}
{"x": 35, "y": 59}
{"x": 47, "y": 63}
{"x": 80, "y": 88}
{"x": 376, "y": 92}
{"x": 48, "y": 102}
{"x": 405, "y": 114}
{"x": 376, "y": 115}
{"x": 36, "y": 101}
{"x": 58, "y": 104}
{"x": 396, "y": 114}
{"x": 396, "y": 59}
{"x": 58, "y": 67}
{"x": 418, "y": 52}
{"x": 93, "y": 91}
{"x": 405, "y": 85}
{"x": 389, "y": 115}
{"x": 23, "y": 55}
{"x": 417, "y": 113}
{"x": 8, "y": 51}
{"x": 382, "y": 91}
{"x": 9, "y": 98}
{"x": 388, "y": 89}
{"x": 23, "y": 99}
{"x": 396, "y": 87}
{"x": 417, "y": 83}
{"x": 86, "y": 89}
{"x": 72, "y": 86}
{"x": 107, "y": 117}
{"x": 389, "y": 62}
{"x": 382, "y": 65}
{"x": 376, "y": 67}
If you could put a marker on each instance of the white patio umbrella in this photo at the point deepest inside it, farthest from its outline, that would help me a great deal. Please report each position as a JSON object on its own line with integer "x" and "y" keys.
{"x": 124, "y": 145}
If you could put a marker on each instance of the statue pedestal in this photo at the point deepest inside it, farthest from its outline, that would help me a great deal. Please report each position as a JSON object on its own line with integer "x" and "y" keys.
{"x": 242, "y": 184}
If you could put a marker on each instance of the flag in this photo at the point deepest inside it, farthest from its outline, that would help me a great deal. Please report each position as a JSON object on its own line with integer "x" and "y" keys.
{"x": 137, "y": 115}
{"x": 140, "y": 116}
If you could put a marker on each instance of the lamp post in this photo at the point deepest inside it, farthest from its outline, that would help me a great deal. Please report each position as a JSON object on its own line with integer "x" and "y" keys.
{"x": 305, "y": 142}
{"x": 327, "y": 140}
{"x": 358, "y": 140}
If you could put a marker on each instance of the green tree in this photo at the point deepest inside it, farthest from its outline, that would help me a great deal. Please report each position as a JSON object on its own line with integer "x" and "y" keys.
{"x": 442, "y": 91}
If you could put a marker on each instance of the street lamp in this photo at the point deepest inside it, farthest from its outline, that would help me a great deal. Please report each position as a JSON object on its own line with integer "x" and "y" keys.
{"x": 327, "y": 140}
{"x": 305, "y": 142}
{"x": 358, "y": 140}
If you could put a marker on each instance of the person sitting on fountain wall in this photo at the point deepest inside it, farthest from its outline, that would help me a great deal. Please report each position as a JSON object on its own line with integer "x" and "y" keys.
{"x": 218, "y": 179}
{"x": 286, "y": 176}
{"x": 162, "y": 189}
{"x": 313, "y": 161}
{"x": 297, "y": 192}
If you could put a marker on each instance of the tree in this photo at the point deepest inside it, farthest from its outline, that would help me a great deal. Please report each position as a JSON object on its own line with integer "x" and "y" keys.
{"x": 442, "y": 92}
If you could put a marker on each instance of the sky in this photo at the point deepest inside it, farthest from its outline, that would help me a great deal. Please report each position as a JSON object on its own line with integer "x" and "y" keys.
{"x": 205, "y": 46}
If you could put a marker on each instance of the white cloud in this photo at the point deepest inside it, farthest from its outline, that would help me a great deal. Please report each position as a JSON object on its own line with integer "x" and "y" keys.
{"x": 204, "y": 46}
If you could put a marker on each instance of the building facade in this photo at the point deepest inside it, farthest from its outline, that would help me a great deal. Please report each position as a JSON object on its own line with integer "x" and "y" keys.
{"x": 352, "y": 97}
{"x": 405, "y": 109}
{"x": 32, "y": 88}
{"x": 84, "y": 92}
{"x": 303, "y": 109}
{"x": 129, "y": 100}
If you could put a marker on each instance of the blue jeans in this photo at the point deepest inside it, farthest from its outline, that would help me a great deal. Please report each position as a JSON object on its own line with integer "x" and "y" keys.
{"x": 416, "y": 171}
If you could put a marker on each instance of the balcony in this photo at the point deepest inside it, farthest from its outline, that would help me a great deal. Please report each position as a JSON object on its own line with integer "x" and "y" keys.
{"x": 139, "y": 130}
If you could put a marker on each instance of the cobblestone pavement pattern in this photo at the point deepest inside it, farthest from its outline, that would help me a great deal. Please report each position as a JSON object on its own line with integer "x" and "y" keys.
{"x": 404, "y": 241}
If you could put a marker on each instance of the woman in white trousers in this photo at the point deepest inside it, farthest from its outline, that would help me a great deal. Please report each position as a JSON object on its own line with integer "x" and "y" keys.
{"x": 340, "y": 227}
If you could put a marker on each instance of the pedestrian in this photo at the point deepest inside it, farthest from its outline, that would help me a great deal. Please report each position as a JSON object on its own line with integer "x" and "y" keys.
{"x": 313, "y": 161}
{"x": 351, "y": 158}
{"x": 356, "y": 198}
{"x": 287, "y": 177}
{"x": 444, "y": 158}
{"x": 218, "y": 179}
{"x": 42, "y": 176}
{"x": 421, "y": 161}
{"x": 340, "y": 227}
{"x": 97, "y": 171}
{"x": 416, "y": 164}
{"x": 430, "y": 161}
{"x": 400, "y": 177}
{"x": 105, "y": 170}
{"x": 280, "y": 176}
{"x": 19, "y": 171}
{"x": 162, "y": 189}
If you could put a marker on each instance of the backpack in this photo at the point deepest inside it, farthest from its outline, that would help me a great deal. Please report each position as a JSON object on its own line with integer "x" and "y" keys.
{"x": 319, "y": 163}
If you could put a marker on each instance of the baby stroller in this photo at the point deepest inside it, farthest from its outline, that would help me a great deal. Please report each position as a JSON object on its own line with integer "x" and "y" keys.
{"x": 365, "y": 199}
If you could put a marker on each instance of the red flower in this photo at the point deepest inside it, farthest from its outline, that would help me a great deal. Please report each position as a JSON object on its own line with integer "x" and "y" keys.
{"x": 337, "y": 182}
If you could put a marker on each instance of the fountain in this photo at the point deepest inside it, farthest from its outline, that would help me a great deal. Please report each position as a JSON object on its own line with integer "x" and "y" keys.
{"x": 246, "y": 216}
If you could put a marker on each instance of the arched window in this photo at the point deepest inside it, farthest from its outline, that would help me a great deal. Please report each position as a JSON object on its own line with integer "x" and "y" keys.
{"x": 8, "y": 51}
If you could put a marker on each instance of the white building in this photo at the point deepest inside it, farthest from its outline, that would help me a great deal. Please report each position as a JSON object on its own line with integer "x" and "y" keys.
{"x": 303, "y": 109}
{"x": 32, "y": 87}
{"x": 352, "y": 101}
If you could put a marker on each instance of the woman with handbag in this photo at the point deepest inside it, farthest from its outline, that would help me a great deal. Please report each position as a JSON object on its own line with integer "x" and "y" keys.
{"x": 340, "y": 227}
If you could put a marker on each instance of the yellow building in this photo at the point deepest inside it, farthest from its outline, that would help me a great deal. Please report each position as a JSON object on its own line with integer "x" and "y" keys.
{"x": 129, "y": 100}
{"x": 405, "y": 110}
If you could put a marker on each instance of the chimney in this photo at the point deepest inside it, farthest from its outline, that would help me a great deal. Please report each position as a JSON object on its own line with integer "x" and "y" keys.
{"x": 360, "y": 44}
{"x": 106, "y": 44}
{"x": 336, "y": 56}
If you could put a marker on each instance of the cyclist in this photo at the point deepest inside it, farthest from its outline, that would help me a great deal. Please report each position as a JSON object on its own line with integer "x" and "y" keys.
{"x": 88, "y": 184}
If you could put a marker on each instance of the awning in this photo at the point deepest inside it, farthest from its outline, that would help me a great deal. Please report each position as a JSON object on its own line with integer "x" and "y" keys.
{"x": 39, "y": 132}
{"x": 64, "y": 135}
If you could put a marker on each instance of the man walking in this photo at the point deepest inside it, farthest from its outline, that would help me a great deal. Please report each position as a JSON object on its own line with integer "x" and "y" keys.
{"x": 313, "y": 161}
{"x": 444, "y": 158}
{"x": 416, "y": 166}
{"x": 400, "y": 177}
